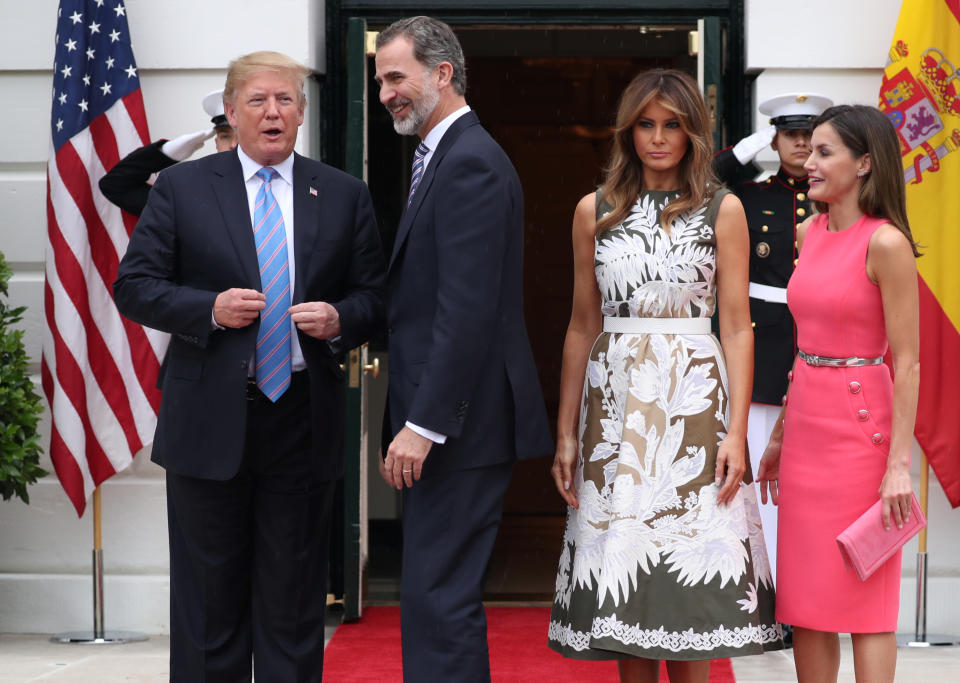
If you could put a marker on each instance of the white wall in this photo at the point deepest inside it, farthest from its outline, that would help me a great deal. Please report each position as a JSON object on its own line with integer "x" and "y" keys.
{"x": 182, "y": 49}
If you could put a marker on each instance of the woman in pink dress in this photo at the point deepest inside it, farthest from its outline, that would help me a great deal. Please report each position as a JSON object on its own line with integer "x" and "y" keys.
{"x": 844, "y": 436}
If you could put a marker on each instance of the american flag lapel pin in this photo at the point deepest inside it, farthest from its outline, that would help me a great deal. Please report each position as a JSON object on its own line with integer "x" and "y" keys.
{"x": 313, "y": 192}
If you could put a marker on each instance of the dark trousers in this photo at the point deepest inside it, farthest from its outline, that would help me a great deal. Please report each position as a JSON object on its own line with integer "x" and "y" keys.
{"x": 450, "y": 522}
{"x": 248, "y": 556}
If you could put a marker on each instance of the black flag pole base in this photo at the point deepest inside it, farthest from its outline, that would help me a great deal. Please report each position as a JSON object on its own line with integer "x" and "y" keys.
{"x": 920, "y": 637}
{"x": 930, "y": 640}
{"x": 98, "y": 636}
{"x": 91, "y": 638}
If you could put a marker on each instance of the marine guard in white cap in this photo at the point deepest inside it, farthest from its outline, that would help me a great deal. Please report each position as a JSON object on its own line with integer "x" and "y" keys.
{"x": 128, "y": 183}
{"x": 774, "y": 207}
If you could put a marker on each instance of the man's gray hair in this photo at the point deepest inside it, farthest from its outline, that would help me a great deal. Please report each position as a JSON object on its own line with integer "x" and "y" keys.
{"x": 433, "y": 42}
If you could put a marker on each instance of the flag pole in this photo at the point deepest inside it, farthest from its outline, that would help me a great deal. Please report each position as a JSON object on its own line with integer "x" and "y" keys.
{"x": 920, "y": 637}
{"x": 98, "y": 636}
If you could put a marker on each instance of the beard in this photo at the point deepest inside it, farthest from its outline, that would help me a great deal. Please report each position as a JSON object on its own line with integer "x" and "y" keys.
{"x": 420, "y": 110}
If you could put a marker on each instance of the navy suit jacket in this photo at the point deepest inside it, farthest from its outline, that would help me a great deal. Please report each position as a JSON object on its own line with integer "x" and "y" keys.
{"x": 460, "y": 360}
{"x": 195, "y": 240}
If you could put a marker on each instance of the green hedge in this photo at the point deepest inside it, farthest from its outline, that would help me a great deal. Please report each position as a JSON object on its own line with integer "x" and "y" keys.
{"x": 20, "y": 406}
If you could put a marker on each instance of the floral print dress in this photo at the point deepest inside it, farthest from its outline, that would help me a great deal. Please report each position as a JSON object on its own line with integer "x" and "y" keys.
{"x": 651, "y": 565}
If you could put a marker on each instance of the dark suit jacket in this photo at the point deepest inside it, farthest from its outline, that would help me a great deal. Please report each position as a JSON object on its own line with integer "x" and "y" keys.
{"x": 195, "y": 240}
{"x": 126, "y": 183}
{"x": 460, "y": 360}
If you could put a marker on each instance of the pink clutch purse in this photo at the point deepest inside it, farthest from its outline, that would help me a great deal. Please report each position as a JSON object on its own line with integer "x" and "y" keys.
{"x": 865, "y": 544}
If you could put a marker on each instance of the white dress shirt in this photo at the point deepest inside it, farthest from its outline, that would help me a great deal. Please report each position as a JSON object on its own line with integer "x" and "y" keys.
{"x": 431, "y": 141}
{"x": 282, "y": 188}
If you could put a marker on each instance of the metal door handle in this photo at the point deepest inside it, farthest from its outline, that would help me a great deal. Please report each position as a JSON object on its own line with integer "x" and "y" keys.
{"x": 373, "y": 368}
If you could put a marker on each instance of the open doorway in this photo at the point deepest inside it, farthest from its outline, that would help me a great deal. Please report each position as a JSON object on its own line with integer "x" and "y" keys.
{"x": 548, "y": 95}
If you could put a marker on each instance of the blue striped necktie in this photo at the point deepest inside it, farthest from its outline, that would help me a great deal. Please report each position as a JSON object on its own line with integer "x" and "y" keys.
{"x": 417, "y": 175}
{"x": 273, "y": 339}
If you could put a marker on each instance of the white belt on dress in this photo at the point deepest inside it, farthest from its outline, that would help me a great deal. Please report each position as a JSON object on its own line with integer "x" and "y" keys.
{"x": 656, "y": 325}
{"x": 775, "y": 295}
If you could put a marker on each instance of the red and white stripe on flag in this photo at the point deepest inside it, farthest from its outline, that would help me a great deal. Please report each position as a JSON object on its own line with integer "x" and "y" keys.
{"x": 99, "y": 370}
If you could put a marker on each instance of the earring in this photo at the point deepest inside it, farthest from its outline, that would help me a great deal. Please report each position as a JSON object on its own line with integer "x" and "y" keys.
{"x": 860, "y": 174}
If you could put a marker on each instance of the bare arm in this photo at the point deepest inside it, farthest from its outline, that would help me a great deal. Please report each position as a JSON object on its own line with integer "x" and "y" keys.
{"x": 736, "y": 337}
{"x": 890, "y": 263}
{"x": 585, "y": 325}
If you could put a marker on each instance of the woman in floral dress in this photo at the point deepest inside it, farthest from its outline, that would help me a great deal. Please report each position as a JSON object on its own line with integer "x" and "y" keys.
{"x": 663, "y": 555}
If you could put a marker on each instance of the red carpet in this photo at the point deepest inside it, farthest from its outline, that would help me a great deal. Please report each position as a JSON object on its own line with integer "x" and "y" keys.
{"x": 369, "y": 650}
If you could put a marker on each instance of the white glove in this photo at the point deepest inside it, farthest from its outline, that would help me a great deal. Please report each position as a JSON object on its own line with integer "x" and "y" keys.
{"x": 752, "y": 145}
{"x": 180, "y": 148}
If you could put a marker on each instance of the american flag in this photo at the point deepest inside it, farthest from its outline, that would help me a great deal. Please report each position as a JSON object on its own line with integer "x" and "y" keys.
{"x": 98, "y": 369}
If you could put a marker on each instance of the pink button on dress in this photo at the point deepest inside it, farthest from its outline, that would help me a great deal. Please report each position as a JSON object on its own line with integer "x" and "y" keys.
{"x": 836, "y": 438}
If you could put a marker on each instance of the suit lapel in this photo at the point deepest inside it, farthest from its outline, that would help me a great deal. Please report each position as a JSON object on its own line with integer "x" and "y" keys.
{"x": 307, "y": 198}
{"x": 227, "y": 183}
{"x": 410, "y": 212}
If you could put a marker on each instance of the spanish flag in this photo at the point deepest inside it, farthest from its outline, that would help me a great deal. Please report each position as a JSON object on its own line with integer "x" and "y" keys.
{"x": 921, "y": 95}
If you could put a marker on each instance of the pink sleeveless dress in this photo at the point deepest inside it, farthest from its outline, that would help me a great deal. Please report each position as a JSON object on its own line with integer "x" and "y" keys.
{"x": 836, "y": 438}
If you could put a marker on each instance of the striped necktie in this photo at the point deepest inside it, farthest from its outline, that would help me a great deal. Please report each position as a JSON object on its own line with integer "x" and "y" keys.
{"x": 273, "y": 339}
{"x": 417, "y": 175}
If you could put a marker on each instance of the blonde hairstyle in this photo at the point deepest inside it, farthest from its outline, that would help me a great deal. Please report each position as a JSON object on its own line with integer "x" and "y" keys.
{"x": 242, "y": 69}
{"x": 623, "y": 175}
{"x": 867, "y": 130}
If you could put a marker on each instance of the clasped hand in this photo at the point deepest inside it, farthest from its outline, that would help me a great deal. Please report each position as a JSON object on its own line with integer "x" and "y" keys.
{"x": 238, "y": 308}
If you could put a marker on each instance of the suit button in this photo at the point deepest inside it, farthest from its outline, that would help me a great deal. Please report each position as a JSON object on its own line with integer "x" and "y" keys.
{"x": 243, "y": 364}
{"x": 791, "y": 181}
{"x": 854, "y": 387}
{"x": 753, "y": 324}
{"x": 801, "y": 196}
{"x": 877, "y": 438}
{"x": 765, "y": 228}
{"x": 801, "y": 212}
{"x": 863, "y": 415}
{"x": 798, "y": 227}
{"x": 795, "y": 261}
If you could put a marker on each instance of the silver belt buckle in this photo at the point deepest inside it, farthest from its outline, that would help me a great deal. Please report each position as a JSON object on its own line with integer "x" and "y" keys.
{"x": 813, "y": 360}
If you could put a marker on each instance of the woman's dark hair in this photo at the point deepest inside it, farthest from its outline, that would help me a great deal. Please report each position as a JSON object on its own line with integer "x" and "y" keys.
{"x": 867, "y": 130}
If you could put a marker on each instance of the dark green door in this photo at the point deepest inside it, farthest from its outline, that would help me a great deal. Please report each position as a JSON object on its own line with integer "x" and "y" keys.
{"x": 355, "y": 444}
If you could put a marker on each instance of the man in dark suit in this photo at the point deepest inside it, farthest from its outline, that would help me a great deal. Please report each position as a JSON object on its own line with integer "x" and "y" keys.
{"x": 464, "y": 399}
{"x": 252, "y": 414}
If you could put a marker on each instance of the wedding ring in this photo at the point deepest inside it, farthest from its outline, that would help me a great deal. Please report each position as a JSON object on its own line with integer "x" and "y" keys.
{"x": 406, "y": 470}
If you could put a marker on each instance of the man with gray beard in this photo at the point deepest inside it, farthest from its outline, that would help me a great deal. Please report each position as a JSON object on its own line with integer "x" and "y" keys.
{"x": 463, "y": 386}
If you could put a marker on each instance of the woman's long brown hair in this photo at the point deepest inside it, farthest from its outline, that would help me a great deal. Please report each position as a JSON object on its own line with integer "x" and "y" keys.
{"x": 867, "y": 130}
{"x": 623, "y": 175}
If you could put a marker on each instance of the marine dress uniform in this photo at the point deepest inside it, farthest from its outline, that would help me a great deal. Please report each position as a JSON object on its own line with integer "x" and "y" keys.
{"x": 127, "y": 184}
{"x": 774, "y": 207}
